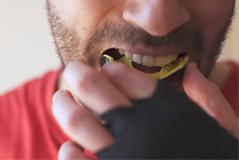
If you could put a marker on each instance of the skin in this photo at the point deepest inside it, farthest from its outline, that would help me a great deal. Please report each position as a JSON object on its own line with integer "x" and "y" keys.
{"x": 84, "y": 29}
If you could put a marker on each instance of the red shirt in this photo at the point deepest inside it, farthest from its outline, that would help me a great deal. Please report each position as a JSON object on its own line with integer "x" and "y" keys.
{"x": 28, "y": 129}
{"x": 230, "y": 89}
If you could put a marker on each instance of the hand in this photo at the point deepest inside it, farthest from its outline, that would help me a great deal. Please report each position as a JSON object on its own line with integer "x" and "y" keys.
{"x": 210, "y": 99}
{"x": 189, "y": 131}
{"x": 99, "y": 92}
{"x": 114, "y": 81}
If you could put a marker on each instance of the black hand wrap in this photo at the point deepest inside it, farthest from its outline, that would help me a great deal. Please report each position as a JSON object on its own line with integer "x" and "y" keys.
{"x": 167, "y": 125}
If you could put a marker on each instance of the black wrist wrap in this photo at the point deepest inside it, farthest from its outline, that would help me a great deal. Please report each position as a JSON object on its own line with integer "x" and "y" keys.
{"x": 167, "y": 125}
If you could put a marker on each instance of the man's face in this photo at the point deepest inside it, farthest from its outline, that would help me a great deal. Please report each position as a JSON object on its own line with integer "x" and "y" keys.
{"x": 150, "y": 32}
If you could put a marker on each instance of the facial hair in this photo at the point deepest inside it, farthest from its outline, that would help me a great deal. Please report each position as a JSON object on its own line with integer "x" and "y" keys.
{"x": 188, "y": 38}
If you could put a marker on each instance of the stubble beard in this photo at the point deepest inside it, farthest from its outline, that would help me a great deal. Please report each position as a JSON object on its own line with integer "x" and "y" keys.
{"x": 188, "y": 37}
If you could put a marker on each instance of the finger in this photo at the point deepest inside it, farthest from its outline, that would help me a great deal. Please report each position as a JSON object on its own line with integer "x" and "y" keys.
{"x": 93, "y": 89}
{"x": 209, "y": 98}
{"x": 70, "y": 150}
{"x": 134, "y": 84}
{"x": 78, "y": 123}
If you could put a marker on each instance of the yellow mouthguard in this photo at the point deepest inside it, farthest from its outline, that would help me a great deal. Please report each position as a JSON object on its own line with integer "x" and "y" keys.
{"x": 166, "y": 70}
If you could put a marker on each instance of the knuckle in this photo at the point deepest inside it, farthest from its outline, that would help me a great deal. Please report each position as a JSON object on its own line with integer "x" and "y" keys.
{"x": 122, "y": 68}
{"x": 123, "y": 71}
{"x": 67, "y": 151}
{"x": 116, "y": 69}
{"x": 86, "y": 81}
{"x": 58, "y": 102}
{"x": 57, "y": 97}
{"x": 75, "y": 120}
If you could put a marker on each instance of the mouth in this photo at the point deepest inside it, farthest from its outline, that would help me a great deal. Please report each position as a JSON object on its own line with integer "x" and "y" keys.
{"x": 159, "y": 67}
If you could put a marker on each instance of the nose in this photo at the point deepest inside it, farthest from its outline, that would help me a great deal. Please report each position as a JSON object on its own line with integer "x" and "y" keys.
{"x": 157, "y": 17}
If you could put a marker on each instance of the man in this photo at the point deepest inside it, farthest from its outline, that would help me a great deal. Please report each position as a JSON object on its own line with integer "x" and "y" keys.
{"x": 151, "y": 33}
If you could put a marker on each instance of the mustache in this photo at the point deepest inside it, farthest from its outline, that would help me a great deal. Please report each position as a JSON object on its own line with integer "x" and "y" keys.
{"x": 124, "y": 33}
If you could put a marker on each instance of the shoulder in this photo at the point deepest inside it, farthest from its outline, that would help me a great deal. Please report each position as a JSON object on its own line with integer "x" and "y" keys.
{"x": 223, "y": 71}
{"x": 26, "y": 117}
{"x": 231, "y": 84}
{"x": 232, "y": 70}
{"x": 26, "y": 92}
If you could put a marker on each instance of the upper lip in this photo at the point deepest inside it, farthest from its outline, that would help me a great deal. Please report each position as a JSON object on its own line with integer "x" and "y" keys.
{"x": 150, "y": 51}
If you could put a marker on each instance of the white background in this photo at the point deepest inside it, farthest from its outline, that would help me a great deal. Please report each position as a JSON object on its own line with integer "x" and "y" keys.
{"x": 27, "y": 48}
{"x": 26, "y": 45}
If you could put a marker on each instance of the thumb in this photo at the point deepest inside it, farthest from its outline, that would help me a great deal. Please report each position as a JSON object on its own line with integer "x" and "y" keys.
{"x": 208, "y": 96}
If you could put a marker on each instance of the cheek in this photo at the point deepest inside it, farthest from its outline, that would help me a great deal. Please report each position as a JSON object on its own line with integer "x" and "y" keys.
{"x": 65, "y": 9}
{"x": 210, "y": 15}
{"x": 81, "y": 14}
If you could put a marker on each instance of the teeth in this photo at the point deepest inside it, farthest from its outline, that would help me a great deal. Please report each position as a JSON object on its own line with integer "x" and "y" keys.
{"x": 121, "y": 52}
{"x": 128, "y": 55}
{"x": 149, "y": 61}
{"x": 137, "y": 58}
{"x": 161, "y": 61}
